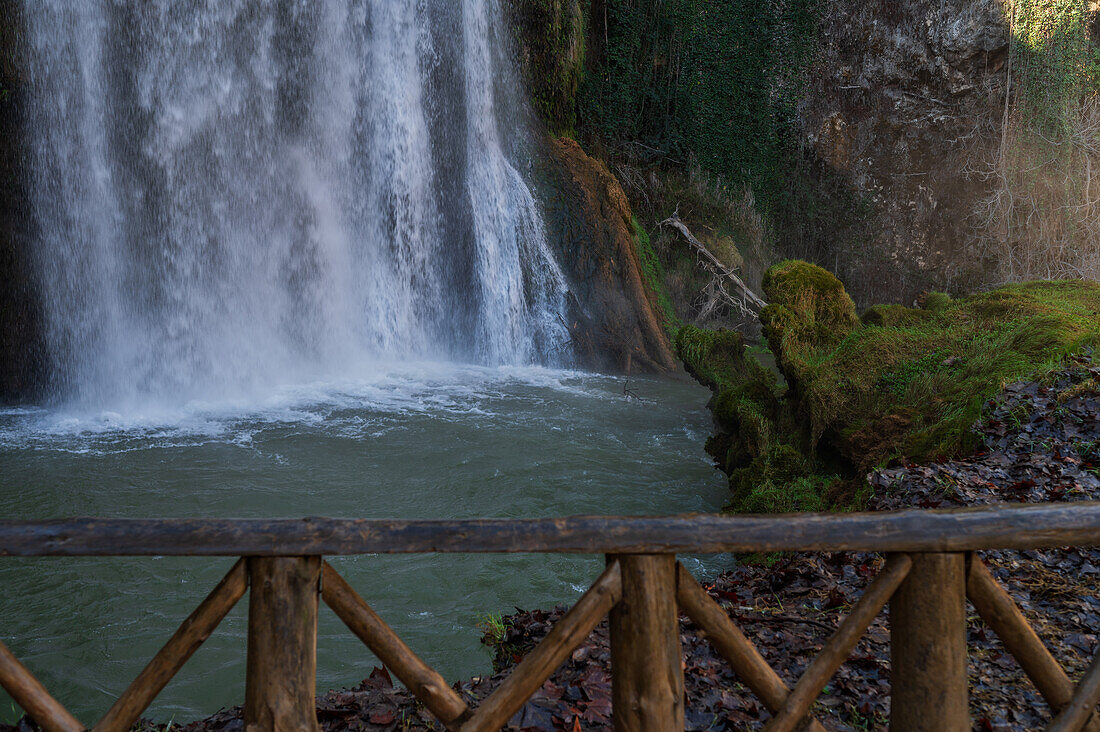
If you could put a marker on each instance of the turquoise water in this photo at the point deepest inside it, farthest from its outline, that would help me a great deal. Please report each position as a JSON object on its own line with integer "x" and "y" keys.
{"x": 409, "y": 440}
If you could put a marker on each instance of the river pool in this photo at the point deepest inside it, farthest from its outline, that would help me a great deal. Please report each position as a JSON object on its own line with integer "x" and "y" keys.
{"x": 414, "y": 440}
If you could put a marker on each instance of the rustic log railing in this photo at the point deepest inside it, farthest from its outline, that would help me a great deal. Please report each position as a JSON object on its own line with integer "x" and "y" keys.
{"x": 930, "y": 573}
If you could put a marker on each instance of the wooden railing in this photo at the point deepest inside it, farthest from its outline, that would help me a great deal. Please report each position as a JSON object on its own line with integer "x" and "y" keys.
{"x": 929, "y": 574}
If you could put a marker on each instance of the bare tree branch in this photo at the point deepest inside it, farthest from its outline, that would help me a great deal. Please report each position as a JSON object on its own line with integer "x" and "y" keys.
{"x": 748, "y": 303}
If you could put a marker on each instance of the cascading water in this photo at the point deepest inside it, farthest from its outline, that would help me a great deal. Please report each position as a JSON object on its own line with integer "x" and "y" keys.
{"x": 231, "y": 194}
{"x": 252, "y": 215}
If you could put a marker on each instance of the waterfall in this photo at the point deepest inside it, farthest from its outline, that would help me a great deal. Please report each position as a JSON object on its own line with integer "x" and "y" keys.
{"x": 230, "y": 194}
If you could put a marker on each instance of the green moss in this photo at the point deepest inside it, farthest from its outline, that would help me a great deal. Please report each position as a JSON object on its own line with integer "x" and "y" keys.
{"x": 935, "y": 302}
{"x": 654, "y": 275}
{"x": 725, "y": 251}
{"x": 893, "y": 316}
{"x": 749, "y": 422}
{"x": 808, "y": 309}
{"x": 914, "y": 384}
{"x": 903, "y": 381}
{"x": 814, "y": 295}
{"x": 778, "y": 481}
{"x": 746, "y": 401}
{"x": 718, "y": 359}
{"x": 679, "y": 75}
{"x": 551, "y": 37}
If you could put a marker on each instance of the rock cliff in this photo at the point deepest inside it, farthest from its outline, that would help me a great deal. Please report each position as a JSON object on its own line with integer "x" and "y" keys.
{"x": 908, "y": 145}
{"x": 21, "y": 352}
{"x": 613, "y": 318}
{"x": 904, "y": 101}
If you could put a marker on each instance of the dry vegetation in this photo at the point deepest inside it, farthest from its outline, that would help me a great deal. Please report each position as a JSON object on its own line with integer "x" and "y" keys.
{"x": 724, "y": 219}
{"x": 1042, "y": 218}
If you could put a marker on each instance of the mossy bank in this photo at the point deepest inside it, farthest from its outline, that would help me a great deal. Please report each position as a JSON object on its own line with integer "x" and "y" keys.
{"x": 848, "y": 392}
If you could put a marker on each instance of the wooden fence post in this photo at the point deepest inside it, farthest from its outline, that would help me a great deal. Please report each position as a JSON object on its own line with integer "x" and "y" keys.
{"x": 928, "y": 647}
{"x": 280, "y": 686}
{"x": 647, "y": 678}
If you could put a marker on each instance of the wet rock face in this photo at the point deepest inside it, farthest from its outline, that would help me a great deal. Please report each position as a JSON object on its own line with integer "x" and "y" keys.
{"x": 905, "y": 95}
{"x": 21, "y": 351}
{"x": 612, "y": 312}
{"x": 550, "y": 47}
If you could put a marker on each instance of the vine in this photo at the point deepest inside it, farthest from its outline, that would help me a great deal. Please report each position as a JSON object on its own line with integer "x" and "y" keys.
{"x": 1053, "y": 63}
{"x": 552, "y": 54}
{"x": 714, "y": 81}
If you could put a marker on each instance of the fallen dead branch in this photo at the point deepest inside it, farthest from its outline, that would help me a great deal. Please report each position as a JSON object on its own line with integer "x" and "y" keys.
{"x": 746, "y": 301}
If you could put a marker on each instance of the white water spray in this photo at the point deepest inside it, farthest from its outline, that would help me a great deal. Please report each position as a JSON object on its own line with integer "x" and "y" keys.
{"x": 230, "y": 195}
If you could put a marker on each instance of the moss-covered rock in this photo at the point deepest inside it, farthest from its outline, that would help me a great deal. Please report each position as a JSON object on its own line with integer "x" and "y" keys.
{"x": 808, "y": 309}
{"x": 724, "y": 250}
{"x": 893, "y": 316}
{"x": 934, "y": 302}
{"x": 615, "y": 315}
{"x": 745, "y": 404}
{"x": 899, "y": 381}
{"x": 653, "y": 274}
{"x": 716, "y": 358}
{"x": 779, "y": 481}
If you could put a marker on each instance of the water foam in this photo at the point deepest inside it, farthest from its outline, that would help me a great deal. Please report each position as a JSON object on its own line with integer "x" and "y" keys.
{"x": 369, "y": 406}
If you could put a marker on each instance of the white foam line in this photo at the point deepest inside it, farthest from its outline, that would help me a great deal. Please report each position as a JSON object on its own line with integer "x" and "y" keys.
{"x": 352, "y": 407}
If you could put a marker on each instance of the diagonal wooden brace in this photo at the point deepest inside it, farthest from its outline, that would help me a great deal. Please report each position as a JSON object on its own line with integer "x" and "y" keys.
{"x": 422, "y": 680}
{"x": 1083, "y": 704}
{"x": 732, "y": 644}
{"x": 1000, "y": 612}
{"x": 536, "y": 668}
{"x": 840, "y": 645}
{"x": 29, "y": 693}
{"x": 171, "y": 658}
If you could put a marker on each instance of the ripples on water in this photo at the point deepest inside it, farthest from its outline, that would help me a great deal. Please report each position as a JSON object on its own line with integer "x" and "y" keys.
{"x": 418, "y": 441}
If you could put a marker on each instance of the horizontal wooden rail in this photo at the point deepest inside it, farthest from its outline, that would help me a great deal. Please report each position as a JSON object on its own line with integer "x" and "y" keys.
{"x": 1001, "y": 527}
{"x": 926, "y": 581}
